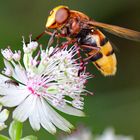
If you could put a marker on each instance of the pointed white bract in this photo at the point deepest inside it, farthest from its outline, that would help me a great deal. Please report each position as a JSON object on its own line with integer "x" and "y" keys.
{"x": 42, "y": 82}
{"x": 3, "y": 117}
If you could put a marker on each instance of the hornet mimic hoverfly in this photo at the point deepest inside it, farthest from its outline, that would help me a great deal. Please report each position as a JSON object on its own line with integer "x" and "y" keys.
{"x": 75, "y": 25}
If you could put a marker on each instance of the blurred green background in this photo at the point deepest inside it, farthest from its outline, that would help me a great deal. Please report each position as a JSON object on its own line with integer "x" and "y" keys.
{"x": 117, "y": 99}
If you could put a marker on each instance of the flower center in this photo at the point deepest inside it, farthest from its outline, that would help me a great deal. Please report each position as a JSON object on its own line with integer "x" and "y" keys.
{"x": 31, "y": 90}
{"x": 36, "y": 85}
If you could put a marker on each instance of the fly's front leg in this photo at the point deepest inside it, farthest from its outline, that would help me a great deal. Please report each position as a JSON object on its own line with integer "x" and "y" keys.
{"x": 56, "y": 35}
{"x": 62, "y": 46}
{"x": 39, "y": 36}
{"x": 43, "y": 33}
{"x": 51, "y": 40}
{"x": 46, "y": 32}
{"x": 82, "y": 65}
{"x": 68, "y": 42}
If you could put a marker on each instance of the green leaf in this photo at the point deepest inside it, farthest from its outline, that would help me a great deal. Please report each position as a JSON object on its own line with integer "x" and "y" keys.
{"x": 15, "y": 130}
{"x": 2, "y": 137}
{"x": 29, "y": 138}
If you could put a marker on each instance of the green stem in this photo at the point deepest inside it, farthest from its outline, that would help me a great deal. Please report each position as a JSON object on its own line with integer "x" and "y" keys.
{"x": 19, "y": 131}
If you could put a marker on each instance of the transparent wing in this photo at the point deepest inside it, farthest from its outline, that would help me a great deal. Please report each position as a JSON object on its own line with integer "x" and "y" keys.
{"x": 119, "y": 31}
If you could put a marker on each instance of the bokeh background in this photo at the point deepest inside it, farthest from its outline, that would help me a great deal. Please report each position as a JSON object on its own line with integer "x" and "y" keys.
{"x": 116, "y": 102}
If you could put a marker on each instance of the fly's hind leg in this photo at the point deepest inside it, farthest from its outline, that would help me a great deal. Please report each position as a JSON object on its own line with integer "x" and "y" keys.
{"x": 83, "y": 62}
{"x": 82, "y": 65}
{"x": 92, "y": 51}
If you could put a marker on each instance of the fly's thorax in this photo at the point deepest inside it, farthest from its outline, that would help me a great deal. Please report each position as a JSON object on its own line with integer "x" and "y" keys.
{"x": 72, "y": 27}
{"x": 87, "y": 37}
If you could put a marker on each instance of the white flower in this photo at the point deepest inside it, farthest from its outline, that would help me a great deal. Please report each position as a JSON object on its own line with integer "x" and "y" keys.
{"x": 7, "y": 72}
{"x": 17, "y": 55}
{"x": 7, "y": 54}
{"x": 3, "y": 117}
{"x": 81, "y": 133}
{"x": 30, "y": 47}
{"x": 109, "y": 134}
{"x": 85, "y": 134}
{"x": 45, "y": 80}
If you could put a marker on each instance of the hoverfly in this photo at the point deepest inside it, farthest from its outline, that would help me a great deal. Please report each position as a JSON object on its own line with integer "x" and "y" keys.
{"x": 76, "y": 25}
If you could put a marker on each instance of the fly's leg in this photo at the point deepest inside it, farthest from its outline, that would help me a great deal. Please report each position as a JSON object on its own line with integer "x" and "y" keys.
{"x": 94, "y": 51}
{"x": 39, "y": 36}
{"x": 84, "y": 61}
{"x": 58, "y": 48}
{"x": 62, "y": 46}
{"x": 43, "y": 33}
{"x": 49, "y": 33}
{"x": 54, "y": 34}
{"x": 70, "y": 41}
{"x": 82, "y": 64}
{"x": 51, "y": 40}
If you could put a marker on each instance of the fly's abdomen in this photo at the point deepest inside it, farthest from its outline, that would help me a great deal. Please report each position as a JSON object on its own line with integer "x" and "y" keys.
{"x": 104, "y": 59}
{"x": 107, "y": 63}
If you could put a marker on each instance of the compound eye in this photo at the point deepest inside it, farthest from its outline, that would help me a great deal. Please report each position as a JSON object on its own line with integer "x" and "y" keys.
{"x": 61, "y": 15}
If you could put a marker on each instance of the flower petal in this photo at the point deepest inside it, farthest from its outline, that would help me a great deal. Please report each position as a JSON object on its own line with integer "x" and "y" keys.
{"x": 3, "y": 85}
{"x": 20, "y": 74}
{"x": 8, "y": 65}
{"x": 44, "y": 118}
{"x": 57, "y": 120}
{"x": 13, "y": 98}
{"x": 70, "y": 110}
{"x": 24, "y": 110}
{"x": 34, "y": 118}
{"x": 6, "y": 87}
{"x": 3, "y": 79}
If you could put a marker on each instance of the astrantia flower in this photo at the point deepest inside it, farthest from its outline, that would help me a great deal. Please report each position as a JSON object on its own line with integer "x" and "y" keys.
{"x": 85, "y": 134}
{"x": 42, "y": 81}
{"x": 81, "y": 133}
{"x": 3, "y": 117}
{"x": 109, "y": 134}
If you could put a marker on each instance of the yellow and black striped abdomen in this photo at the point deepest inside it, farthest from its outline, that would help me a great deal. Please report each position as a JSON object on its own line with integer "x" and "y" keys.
{"x": 107, "y": 63}
{"x": 104, "y": 59}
